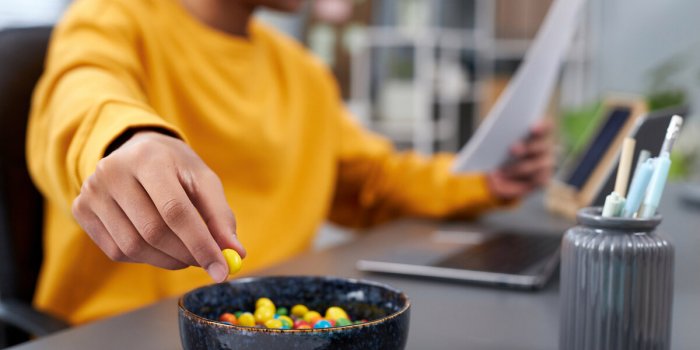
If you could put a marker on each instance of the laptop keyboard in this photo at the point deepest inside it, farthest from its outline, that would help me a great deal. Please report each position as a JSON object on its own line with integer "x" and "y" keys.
{"x": 505, "y": 253}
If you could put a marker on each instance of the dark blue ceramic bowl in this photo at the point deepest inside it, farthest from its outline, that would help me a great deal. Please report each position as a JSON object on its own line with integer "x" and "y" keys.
{"x": 386, "y": 309}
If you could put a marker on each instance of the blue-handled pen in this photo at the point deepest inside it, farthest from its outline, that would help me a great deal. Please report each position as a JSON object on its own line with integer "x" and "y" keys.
{"x": 661, "y": 168}
{"x": 637, "y": 190}
{"x": 656, "y": 186}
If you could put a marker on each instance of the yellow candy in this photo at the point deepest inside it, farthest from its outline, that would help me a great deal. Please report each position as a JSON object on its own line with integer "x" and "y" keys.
{"x": 286, "y": 319}
{"x": 334, "y": 313}
{"x": 246, "y": 319}
{"x": 233, "y": 260}
{"x": 265, "y": 302}
{"x": 273, "y": 323}
{"x": 311, "y": 317}
{"x": 263, "y": 314}
{"x": 299, "y": 310}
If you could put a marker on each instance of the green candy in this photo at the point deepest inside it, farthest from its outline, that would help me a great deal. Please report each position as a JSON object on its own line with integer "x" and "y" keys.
{"x": 285, "y": 324}
{"x": 341, "y": 322}
{"x": 282, "y": 311}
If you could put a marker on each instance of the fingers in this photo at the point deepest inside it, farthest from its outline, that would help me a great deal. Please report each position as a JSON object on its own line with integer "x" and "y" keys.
{"x": 207, "y": 195}
{"x": 531, "y": 148}
{"x": 92, "y": 225}
{"x": 178, "y": 212}
{"x": 542, "y": 129}
{"x": 533, "y": 155}
{"x": 138, "y": 207}
{"x": 144, "y": 216}
{"x": 111, "y": 230}
{"x": 528, "y": 167}
{"x": 507, "y": 188}
{"x": 518, "y": 182}
{"x": 536, "y": 143}
{"x": 127, "y": 238}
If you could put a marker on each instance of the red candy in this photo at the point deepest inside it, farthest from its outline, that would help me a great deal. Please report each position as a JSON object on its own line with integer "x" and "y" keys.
{"x": 299, "y": 323}
{"x": 228, "y": 317}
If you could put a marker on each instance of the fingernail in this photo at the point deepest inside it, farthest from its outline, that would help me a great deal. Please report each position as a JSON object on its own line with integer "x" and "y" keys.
{"x": 217, "y": 271}
{"x": 237, "y": 243}
{"x": 242, "y": 251}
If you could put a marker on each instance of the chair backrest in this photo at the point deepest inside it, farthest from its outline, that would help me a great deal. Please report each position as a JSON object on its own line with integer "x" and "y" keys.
{"x": 22, "y": 54}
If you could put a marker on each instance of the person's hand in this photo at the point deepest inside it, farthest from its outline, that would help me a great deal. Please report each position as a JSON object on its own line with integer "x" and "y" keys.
{"x": 154, "y": 201}
{"x": 531, "y": 165}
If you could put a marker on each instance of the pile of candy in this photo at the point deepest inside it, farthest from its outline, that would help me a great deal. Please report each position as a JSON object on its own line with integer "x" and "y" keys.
{"x": 269, "y": 316}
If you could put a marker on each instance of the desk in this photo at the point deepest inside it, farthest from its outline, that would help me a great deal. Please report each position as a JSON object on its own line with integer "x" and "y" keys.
{"x": 445, "y": 315}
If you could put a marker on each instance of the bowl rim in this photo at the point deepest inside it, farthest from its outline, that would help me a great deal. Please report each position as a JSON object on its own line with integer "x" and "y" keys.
{"x": 181, "y": 306}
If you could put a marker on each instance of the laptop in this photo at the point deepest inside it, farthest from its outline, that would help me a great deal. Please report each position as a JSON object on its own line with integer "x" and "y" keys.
{"x": 502, "y": 257}
{"x": 513, "y": 257}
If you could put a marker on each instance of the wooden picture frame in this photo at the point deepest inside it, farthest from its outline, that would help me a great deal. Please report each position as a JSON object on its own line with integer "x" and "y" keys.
{"x": 584, "y": 175}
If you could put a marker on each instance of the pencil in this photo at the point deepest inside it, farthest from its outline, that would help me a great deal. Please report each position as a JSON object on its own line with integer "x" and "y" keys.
{"x": 623, "y": 171}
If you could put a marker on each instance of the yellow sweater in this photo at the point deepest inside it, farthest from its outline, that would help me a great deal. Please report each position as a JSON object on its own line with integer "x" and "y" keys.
{"x": 262, "y": 112}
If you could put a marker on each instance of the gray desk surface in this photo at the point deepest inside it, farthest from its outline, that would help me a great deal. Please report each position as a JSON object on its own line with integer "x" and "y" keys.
{"x": 445, "y": 315}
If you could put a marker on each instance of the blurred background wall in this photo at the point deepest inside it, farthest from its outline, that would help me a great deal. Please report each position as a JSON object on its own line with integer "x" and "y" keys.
{"x": 30, "y": 12}
{"x": 637, "y": 37}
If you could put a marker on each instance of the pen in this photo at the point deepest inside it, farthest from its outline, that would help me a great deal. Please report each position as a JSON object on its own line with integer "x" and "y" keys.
{"x": 656, "y": 186}
{"x": 638, "y": 187}
{"x": 623, "y": 170}
{"x": 643, "y": 156}
{"x": 615, "y": 201}
{"x": 674, "y": 127}
{"x": 661, "y": 168}
{"x": 613, "y": 206}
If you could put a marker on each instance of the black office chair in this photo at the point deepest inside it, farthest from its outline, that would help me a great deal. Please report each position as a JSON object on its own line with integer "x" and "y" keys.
{"x": 22, "y": 53}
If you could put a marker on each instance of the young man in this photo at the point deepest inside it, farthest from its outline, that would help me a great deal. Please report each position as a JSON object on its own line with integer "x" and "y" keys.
{"x": 156, "y": 120}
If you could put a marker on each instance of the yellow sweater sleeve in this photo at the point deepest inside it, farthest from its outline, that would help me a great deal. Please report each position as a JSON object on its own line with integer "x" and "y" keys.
{"x": 376, "y": 183}
{"x": 89, "y": 94}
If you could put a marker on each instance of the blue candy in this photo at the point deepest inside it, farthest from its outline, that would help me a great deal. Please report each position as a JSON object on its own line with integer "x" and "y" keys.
{"x": 322, "y": 324}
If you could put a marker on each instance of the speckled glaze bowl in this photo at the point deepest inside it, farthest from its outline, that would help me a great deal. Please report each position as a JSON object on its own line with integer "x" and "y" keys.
{"x": 386, "y": 309}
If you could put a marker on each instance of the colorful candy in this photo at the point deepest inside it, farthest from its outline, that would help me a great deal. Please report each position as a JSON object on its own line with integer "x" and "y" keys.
{"x": 246, "y": 319}
{"x": 300, "y": 324}
{"x": 267, "y": 315}
{"x": 342, "y": 322}
{"x": 334, "y": 313}
{"x": 273, "y": 324}
{"x": 233, "y": 260}
{"x": 299, "y": 310}
{"x": 228, "y": 317}
{"x": 264, "y": 314}
{"x": 322, "y": 324}
{"x": 312, "y": 316}
{"x": 287, "y": 322}
{"x": 264, "y": 302}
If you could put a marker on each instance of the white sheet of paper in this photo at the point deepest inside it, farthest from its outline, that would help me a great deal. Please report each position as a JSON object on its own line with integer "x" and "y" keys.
{"x": 525, "y": 99}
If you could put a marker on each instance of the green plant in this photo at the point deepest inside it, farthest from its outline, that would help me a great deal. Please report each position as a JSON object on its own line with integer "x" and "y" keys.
{"x": 577, "y": 126}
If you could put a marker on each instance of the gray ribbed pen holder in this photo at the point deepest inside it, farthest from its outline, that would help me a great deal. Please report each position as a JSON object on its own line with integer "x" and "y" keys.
{"x": 616, "y": 284}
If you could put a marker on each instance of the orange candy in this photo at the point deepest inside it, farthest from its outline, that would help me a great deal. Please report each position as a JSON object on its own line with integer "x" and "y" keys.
{"x": 228, "y": 317}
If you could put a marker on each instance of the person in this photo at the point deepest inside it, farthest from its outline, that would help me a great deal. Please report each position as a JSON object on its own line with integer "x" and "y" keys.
{"x": 156, "y": 120}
